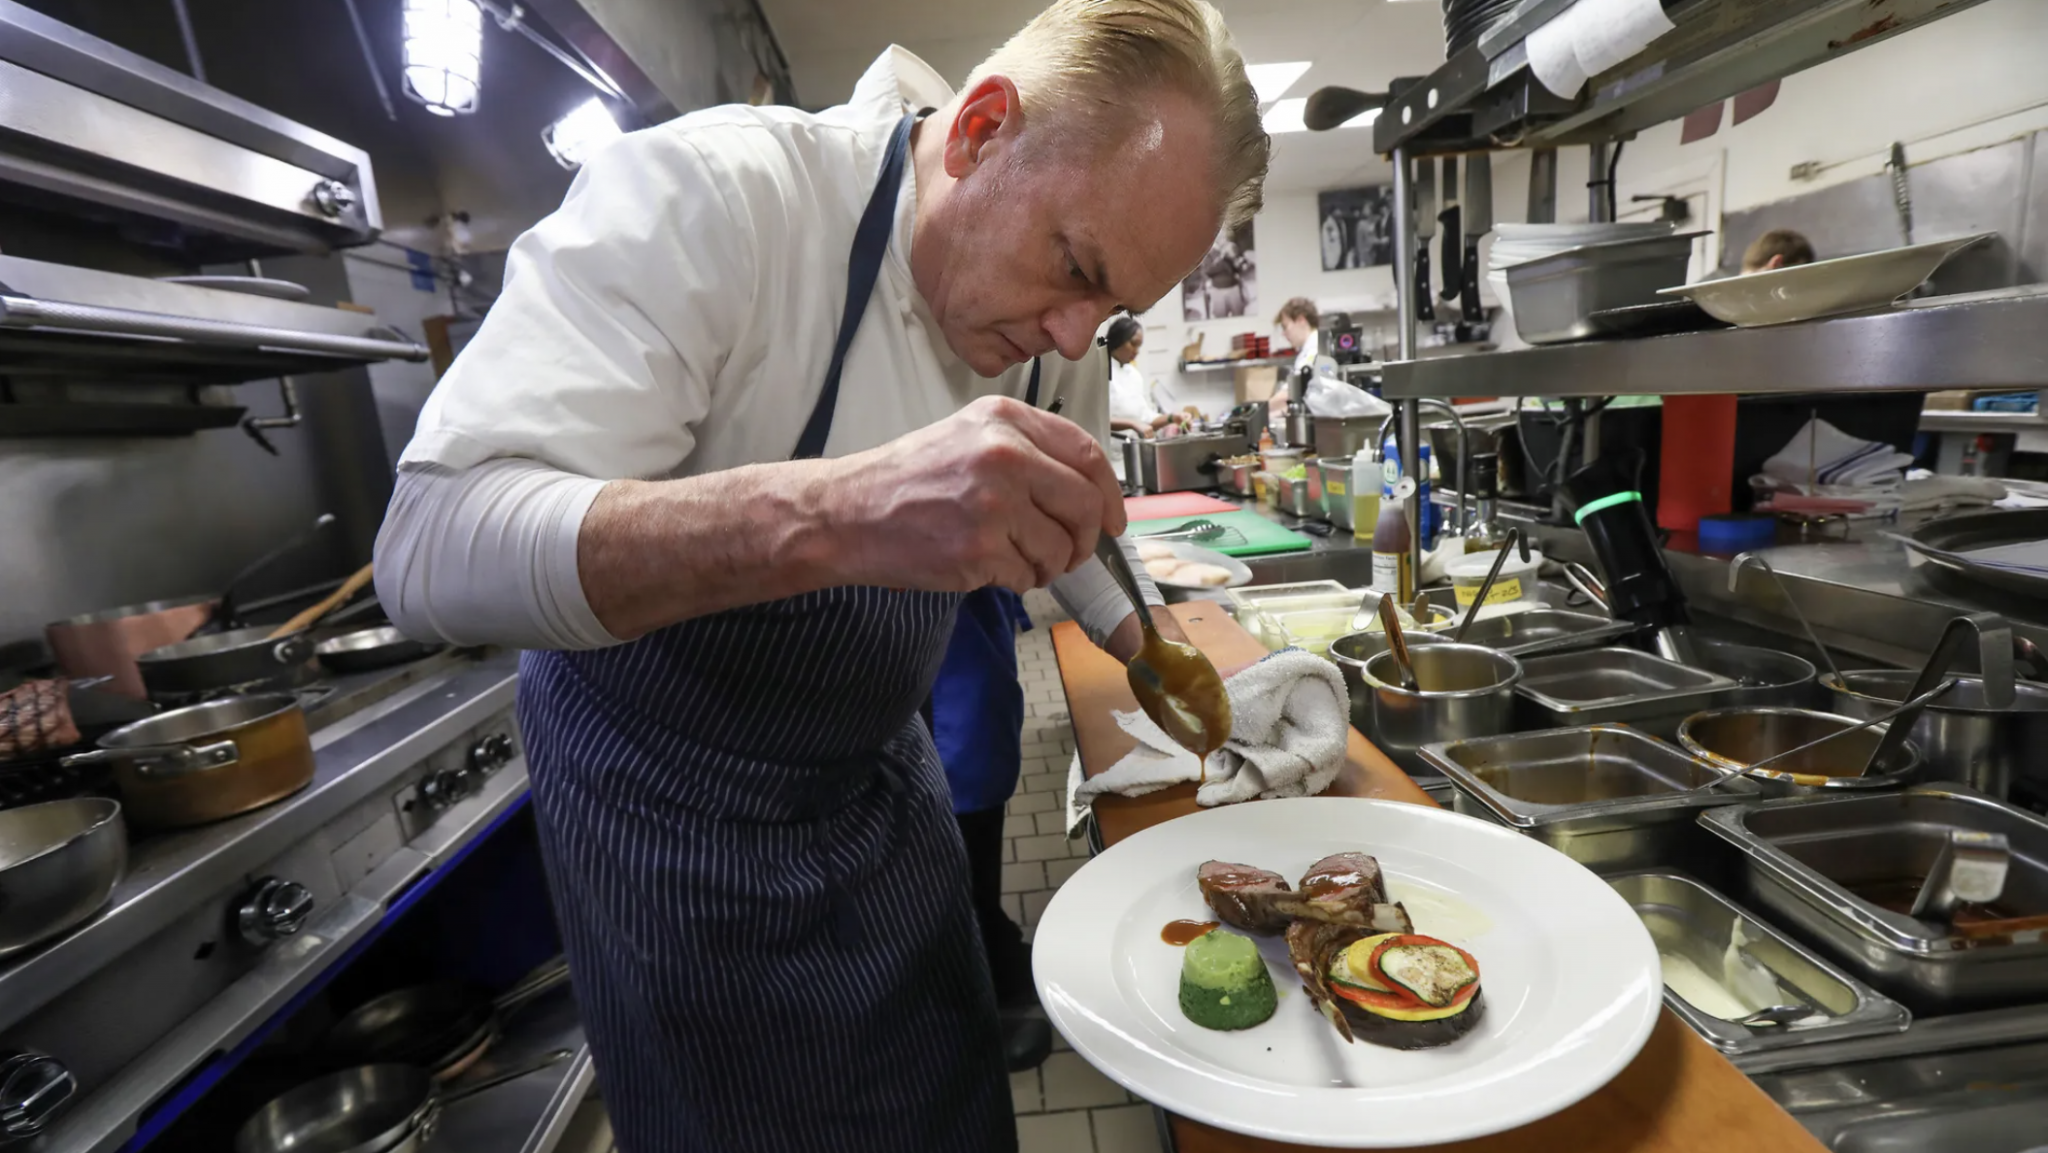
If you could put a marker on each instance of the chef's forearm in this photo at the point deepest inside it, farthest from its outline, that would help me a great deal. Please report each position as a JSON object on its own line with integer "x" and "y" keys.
{"x": 1091, "y": 596}
{"x": 652, "y": 553}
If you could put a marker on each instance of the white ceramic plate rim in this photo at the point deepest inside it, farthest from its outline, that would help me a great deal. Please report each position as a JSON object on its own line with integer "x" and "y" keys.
{"x": 1077, "y": 983}
{"x": 1792, "y": 309}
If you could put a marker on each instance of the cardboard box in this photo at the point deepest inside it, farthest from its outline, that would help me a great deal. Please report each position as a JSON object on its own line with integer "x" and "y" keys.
{"x": 1257, "y": 382}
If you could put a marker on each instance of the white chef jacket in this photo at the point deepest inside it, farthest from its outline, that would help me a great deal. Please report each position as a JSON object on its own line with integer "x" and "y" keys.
{"x": 1129, "y": 398}
{"x": 673, "y": 318}
{"x": 1307, "y": 355}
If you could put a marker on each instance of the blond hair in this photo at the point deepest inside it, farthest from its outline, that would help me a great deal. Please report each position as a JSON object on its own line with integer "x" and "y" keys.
{"x": 1096, "y": 53}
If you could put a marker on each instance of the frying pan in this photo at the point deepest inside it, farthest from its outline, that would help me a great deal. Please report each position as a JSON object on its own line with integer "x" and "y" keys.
{"x": 366, "y": 1109}
{"x": 443, "y": 1027}
{"x": 372, "y": 648}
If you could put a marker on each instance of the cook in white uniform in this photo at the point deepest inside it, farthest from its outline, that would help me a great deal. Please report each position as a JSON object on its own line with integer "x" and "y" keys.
{"x": 1130, "y": 398}
{"x": 1300, "y": 324}
{"x": 745, "y": 422}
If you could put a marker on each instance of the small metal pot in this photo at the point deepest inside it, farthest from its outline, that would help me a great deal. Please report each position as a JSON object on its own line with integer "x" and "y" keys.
{"x": 1766, "y": 677}
{"x": 1733, "y": 738}
{"x": 1350, "y": 652}
{"x": 110, "y": 642}
{"x": 237, "y": 657}
{"x": 59, "y": 862}
{"x": 1962, "y": 739}
{"x": 1466, "y": 691}
{"x": 203, "y": 763}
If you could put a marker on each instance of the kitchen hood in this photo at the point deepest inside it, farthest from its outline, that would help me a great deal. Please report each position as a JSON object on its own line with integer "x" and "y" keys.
{"x": 98, "y": 132}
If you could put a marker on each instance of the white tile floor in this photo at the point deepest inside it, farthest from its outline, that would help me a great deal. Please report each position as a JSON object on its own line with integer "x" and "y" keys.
{"x": 1064, "y": 1106}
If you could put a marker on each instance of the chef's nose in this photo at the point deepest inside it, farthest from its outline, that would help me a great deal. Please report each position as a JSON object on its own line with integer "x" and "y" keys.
{"x": 1072, "y": 327}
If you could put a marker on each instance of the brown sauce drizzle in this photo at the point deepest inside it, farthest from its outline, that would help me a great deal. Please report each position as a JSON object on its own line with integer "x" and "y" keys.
{"x": 1182, "y": 932}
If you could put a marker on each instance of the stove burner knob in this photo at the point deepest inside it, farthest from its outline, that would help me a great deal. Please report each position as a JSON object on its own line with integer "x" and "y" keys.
{"x": 274, "y": 909}
{"x": 491, "y": 753}
{"x": 33, "y": 1086}
{"x": 444, "y": 788}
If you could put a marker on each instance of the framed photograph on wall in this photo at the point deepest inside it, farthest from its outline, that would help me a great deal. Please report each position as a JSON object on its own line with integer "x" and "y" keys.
{"x": 1356, "y": 226}
{"x": 1226, "y": 283}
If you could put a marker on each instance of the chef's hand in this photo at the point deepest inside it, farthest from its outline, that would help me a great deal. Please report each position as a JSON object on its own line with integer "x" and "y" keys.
{"x": 999, "y": 493}
{"x": 1123, "y": 643}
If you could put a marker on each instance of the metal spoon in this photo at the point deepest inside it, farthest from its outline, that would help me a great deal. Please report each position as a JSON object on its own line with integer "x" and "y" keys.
{"x": 1397, "y": 643}
{"x": 1735, "y": 578}
{"x": 1180, "y": 714}
{"x": 1882, "y": 751}
{"x": 1775, "y": 1015}
{"x": 1514, "y": 540}
{"x": 1589, "y": 586}
{"x": 1421, "y": 611}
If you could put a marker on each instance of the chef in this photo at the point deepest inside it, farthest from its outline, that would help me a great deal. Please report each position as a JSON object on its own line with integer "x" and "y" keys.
{"x": 1131, "y": 408}
{"x": 1300, "y": 325}
{"x": 757, "y": 405}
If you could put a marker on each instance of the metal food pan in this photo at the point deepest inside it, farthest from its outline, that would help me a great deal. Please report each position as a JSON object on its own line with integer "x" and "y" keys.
{"x": 1545, "y": 631}
{"x": 1614, "y": 686}
{"x": 1830, "y": 866}
{"x": 1554, "y": 297}
{"x": 1687, "y": 919}
{"x": 1607, "y": 796}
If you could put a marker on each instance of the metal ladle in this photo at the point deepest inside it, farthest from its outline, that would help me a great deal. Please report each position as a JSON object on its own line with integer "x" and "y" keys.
{"x": 1772, "y": 1016}
{"x": 1514, "y": 540}
{"x": 1735, "y": 580}
{"x": 1181, "y": 712}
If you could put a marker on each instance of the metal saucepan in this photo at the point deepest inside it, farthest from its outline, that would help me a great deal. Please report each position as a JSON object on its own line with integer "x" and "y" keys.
{"x": 59, "y": 862}
{"x": 1733, "y": 738}
{"x": 210, "y": 761}
{"x": 1962, "y": 737}
{"x": 1765, "y": 676}
{"x": 443, "y": 1027}
{"x": 366, "y": 1109}
{"x": 375, "y": 648}
{"x": 106, "y": 643}
{"x": 1463, "y": 691}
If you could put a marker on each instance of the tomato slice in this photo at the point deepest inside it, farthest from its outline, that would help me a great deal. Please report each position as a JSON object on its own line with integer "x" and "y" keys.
{"x": 1366, "y": 998}
{"x": 1373, "y": 965}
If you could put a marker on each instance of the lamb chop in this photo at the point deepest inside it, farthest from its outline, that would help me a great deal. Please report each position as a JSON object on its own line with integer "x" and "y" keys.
{"x": 1312, "y": 945}
{"x": 1346, "y": 889}
{"x": 1244, "y": 897}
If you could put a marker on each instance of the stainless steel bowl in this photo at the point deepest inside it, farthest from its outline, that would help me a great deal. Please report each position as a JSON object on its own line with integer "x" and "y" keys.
{"x": 1962, "y": 739}
{"x": 1350, "y": 652}
{"x": 59, "y": 862}
{"x": 1733, "y": 738}
{"x": 1464, "y": 691}
{"x": 1762, "y": 676}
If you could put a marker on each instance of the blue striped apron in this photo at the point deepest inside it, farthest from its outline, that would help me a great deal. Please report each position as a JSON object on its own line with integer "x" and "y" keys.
{"x": 761, "y": 889}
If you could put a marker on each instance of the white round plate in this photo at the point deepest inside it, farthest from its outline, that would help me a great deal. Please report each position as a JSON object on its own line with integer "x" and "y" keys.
{"x": 1570, "y": 976}
{"x": 1824, "y": 287}
{"x": 1239, "y": 574}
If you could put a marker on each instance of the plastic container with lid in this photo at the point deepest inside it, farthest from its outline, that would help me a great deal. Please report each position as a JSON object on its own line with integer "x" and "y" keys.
{"x": 1517, "y": 580}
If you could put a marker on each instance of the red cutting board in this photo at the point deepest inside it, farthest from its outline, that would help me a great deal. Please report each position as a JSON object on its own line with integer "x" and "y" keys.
{"x": 1173, "y": 504}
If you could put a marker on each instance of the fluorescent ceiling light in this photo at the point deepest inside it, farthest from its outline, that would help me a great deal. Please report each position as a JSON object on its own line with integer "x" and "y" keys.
{"x": 1271, "y": 81}
{"x": 444, "y": 42}
{"x": 1285, "y": 116}
{"x": 575, "y": 136}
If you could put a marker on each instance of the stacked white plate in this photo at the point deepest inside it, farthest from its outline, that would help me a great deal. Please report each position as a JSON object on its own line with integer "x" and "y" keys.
{"x": 1520, "y": 243}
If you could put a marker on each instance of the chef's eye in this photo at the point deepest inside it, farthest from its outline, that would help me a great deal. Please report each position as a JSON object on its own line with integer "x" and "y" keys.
{"x": 1074, "y": 269}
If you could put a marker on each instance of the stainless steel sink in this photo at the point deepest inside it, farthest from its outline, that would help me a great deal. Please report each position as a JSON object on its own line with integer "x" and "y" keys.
{"x": 1843, "y": 869}
{"x": 1985, "y": 1100}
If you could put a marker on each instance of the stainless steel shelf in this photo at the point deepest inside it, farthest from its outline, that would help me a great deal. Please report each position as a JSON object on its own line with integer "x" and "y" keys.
{"x": 1982, "y": 422}
{"x": 1487, "y": 95}
{"x": 1980, "y": 340}
{"x": 1247, "y": 362}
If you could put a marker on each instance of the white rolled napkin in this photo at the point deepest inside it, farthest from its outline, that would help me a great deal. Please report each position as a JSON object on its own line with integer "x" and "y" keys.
{"x": 1290, "y": 719}
{"x": 1820, "y": 452}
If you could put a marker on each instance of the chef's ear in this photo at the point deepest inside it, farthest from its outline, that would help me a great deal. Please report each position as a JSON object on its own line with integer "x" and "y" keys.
{"x": 988, "y": 112}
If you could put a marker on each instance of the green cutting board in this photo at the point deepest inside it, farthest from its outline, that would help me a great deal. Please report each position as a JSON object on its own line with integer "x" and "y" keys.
{"x": 1261, "y": 536}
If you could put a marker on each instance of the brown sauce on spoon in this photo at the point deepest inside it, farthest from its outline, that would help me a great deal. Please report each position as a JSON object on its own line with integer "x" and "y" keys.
{"x": 1182, "y": 932}
{"x": 1188, "y": 700}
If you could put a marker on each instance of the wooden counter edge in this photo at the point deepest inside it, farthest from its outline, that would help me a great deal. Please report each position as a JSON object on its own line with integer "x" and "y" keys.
{"x": 1678, "y": 1096}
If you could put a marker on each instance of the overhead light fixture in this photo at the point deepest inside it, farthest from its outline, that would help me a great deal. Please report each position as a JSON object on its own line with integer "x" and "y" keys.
{"x": 575, "y": 136}
{"x": 1271, "y": 81}
{"x": 1285, "y": 115}
{"x": 444, "y": 42}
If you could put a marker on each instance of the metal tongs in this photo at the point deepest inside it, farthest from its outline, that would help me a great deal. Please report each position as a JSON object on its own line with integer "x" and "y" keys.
{"x": 1514, "y": 540}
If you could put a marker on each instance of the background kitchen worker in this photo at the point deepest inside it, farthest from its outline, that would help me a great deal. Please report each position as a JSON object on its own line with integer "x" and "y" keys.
{"x": 1130, "y": 398}
{"x": 1300, "y": 324}
{"x": 1778, "y": 248}
{"x": 730, "y": 504}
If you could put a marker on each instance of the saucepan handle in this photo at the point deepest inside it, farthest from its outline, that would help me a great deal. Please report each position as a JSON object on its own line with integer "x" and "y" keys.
{"x": 160, "y": 762}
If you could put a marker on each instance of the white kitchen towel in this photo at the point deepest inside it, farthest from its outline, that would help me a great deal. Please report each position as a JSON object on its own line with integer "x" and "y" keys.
{"x": 1607, "y": 32}
{"x": 1290, "y": 719}
{"x": 1821, "y": 453}
{"x": 1552, "y": 57}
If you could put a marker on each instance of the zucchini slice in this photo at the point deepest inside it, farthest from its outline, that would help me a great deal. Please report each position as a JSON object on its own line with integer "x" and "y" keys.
{"x": 1434, "y": 973}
